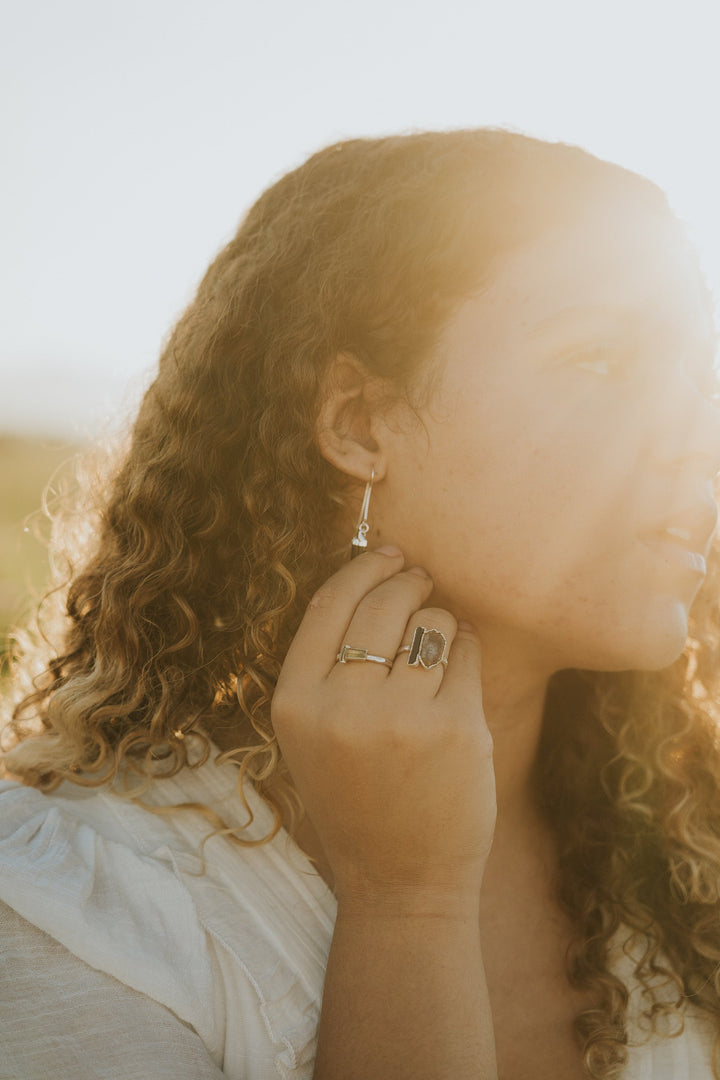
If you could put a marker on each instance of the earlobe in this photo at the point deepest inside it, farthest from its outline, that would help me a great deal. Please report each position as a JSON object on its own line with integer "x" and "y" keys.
{"x": 347, "y": 426}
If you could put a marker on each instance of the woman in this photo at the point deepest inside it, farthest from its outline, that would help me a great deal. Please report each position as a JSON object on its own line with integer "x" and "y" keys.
{"x": 473, "y": 832}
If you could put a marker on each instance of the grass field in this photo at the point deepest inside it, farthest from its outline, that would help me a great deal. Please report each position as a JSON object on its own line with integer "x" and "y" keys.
{"x": 26, "y": 467}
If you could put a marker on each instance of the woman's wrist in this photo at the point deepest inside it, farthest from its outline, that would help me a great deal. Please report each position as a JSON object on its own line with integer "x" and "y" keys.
{"x": 364, "y": 903}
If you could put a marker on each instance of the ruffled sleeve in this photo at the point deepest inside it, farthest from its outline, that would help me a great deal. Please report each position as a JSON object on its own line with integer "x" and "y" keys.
{"x": 235, "y": 951}
{"x": 671, "y": 1053}
{"x": 62, "y": 1018}
{"x": 117, "y": 910}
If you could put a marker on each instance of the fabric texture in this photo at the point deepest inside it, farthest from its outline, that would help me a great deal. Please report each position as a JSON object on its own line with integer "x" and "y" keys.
{"x": 119, "y": 958}
{"x": 61, "y": 1018}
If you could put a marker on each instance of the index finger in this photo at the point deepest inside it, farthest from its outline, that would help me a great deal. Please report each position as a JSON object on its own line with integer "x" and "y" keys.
{"x": 329, "y": 612}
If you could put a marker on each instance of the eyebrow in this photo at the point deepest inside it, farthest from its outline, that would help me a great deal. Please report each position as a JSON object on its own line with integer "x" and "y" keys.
{"x": 565, "y": 314}
{"x": 709, "y": 338}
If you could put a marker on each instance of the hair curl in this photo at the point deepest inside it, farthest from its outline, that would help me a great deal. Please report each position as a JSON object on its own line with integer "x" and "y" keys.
{"x": 220, "y": 521}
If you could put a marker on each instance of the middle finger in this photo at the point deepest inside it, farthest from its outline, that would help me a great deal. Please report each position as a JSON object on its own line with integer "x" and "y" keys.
{"x": 379, "y": 620}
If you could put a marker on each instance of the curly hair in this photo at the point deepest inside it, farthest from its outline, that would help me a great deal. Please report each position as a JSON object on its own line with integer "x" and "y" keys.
{"x": 220, "y": 520}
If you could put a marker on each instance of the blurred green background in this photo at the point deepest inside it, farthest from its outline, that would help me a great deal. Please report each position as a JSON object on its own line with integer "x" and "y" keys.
{"x": 27, "y": 465}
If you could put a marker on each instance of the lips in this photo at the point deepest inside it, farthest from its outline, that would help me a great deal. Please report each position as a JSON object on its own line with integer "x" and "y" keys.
{"x": 673, "y": 554}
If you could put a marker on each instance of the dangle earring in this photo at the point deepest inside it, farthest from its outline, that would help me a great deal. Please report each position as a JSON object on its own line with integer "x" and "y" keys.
{"x": 359, "y": 541}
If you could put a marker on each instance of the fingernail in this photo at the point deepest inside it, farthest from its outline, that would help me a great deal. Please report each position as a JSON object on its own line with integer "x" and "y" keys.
{"x": 463, "y": 624}
{"x": 419, "y": 571}
{"x": 389, "y": 549}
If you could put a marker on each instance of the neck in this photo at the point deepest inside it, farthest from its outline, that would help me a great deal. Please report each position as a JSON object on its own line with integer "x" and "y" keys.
{"x": 513, "y": 701}
{"x": 523, "y": 856}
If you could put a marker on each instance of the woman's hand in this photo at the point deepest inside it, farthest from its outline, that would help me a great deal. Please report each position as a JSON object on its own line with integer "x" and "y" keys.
{"x": 394, "y": 767}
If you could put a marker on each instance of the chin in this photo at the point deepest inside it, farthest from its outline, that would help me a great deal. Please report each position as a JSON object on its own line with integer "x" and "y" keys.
{"x": 651, "y": 645}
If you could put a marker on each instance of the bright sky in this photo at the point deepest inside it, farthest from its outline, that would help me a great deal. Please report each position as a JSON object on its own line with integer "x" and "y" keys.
{"x": 136, "y": 133}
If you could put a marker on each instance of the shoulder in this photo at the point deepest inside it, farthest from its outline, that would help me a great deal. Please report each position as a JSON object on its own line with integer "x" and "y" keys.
{"x": 683, "y": 1055}
{"x": 125, "y": 890}
{"x": 69, "y": 867}
{"x": 60, "y": 1017}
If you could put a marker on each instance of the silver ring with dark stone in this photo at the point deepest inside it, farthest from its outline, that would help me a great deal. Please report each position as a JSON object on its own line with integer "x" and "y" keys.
{"x": 428, "y": 648}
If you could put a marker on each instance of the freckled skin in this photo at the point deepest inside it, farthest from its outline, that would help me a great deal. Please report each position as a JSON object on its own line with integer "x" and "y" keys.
{"x": 553, "y": 441}
{"x": 539, "y": 463}
{"x": 568, "y": 417}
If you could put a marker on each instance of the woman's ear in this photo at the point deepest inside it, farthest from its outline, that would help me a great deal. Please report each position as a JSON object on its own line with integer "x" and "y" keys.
{"x": 348, "y": 429}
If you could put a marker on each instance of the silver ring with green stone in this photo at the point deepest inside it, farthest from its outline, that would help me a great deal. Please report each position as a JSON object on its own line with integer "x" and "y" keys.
{"x": 428, "y": 648}
{"x": 349, "y": 652}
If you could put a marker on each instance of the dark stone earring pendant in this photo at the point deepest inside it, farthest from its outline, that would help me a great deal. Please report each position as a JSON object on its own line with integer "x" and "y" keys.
{"x": 358, "y": 545}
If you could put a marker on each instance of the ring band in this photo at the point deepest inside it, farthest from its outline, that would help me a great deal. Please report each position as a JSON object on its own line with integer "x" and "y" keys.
{"x": 348, "y": 653}
{"x": 428, "y": 648}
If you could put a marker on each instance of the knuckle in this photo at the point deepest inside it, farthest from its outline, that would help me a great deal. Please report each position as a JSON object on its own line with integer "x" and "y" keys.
{"x": 416, "y": 582}
{"x": 485, "y": 740}
{"x": 343, "y": 738}
{"x": 327, "y": 596}
{"x": 281, "y": 707}
{"x": 343, "y": 586}
{"x": 386, "y": 595}
{"x": 292, "y": 703}
{"x": 379, "y": 601}
{"x": 465, "y": 649}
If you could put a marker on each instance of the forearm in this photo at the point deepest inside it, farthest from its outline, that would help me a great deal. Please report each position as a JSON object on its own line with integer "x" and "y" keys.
{"x": 405, "y": 999}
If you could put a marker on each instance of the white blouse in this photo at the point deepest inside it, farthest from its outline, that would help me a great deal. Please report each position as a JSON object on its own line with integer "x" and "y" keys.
{"x": 120, "y": 960}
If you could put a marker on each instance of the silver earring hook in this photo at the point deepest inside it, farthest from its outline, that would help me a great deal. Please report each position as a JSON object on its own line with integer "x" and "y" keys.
{"x": 359, "y": 541}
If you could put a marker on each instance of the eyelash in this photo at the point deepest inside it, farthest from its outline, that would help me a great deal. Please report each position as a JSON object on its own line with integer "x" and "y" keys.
{"x": 708, "y": 386}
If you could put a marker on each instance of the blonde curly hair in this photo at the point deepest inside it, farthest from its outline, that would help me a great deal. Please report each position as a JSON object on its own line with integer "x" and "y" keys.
{"x": 220, "y": 520}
